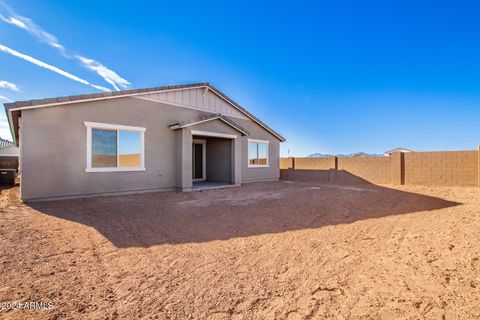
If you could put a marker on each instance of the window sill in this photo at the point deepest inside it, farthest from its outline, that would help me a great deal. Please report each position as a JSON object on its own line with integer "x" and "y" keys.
{"x": 259, "y": 166}
{"x": 125, "y": 169}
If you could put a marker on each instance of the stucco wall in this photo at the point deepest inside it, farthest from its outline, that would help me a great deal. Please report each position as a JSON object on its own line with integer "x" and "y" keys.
{"x": 272, "y": 172}
{"x": 54, "y": 148}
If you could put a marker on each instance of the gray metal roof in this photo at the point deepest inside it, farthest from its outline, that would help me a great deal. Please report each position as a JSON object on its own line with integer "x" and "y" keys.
{"x": 63, "y": 99}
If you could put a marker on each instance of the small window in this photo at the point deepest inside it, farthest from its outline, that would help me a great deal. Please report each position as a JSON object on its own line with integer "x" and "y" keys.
{"x": 257, "y": 153}
{"x": 114, "y": 148}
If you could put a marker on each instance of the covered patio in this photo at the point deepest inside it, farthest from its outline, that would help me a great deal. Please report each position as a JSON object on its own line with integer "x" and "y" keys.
{"x": 210, "y": 153}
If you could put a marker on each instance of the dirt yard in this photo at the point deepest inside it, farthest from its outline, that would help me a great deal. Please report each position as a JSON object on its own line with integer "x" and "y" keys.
{"x": 282, "y": 250}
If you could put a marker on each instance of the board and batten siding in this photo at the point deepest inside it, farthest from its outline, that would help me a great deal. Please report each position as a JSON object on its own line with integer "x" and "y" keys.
{"x": 196, "y": 98}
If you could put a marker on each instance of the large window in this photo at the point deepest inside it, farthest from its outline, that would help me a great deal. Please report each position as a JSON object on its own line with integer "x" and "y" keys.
{"x": 257, "y": 153}
{"x": 114, "y": 148}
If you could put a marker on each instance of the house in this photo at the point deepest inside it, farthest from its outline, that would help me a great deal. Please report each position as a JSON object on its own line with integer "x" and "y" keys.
{"x": 8, "y": 149}
{"x": 178, "y": 137}
{"x": 389, "y": 152}
{"x": 9, "y": 154}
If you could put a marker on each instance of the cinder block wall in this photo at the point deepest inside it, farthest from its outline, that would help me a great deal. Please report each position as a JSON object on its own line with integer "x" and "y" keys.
{"x": 446, "y": 168}
{"x": 454, "y": 168}
{"x": 313, "y": 169}
{"x": 286, "y": 167}
{"x": 371, "y": 169}
{"x": 326, "y": 163}
{"x": 285, "y": 163}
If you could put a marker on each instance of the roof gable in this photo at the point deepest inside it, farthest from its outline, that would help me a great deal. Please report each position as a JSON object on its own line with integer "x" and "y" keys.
{"x": 196, "y": 98}
{"x": 211, "y": 100}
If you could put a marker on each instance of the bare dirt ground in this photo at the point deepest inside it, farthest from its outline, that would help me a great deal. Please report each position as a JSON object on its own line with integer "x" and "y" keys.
{"x": 282, "y": 250}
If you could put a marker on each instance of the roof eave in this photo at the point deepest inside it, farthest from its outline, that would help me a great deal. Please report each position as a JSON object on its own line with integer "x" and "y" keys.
{"x": 177, "y": 126}
{"x": 13, "y": 130}
{"x": 49, "y": 102}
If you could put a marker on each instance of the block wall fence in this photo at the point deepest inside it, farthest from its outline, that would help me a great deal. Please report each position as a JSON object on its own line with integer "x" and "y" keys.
{"x": 444, "y": 168}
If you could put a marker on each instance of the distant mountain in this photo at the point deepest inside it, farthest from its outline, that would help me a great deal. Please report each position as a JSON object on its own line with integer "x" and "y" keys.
{"x": 325, "y": 155}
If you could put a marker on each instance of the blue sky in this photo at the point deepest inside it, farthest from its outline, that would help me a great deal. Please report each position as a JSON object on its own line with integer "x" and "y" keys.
{"x": 331, "y": 76}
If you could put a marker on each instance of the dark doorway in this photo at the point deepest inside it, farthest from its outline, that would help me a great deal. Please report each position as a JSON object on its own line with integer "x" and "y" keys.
{"x": 198, "y": 160}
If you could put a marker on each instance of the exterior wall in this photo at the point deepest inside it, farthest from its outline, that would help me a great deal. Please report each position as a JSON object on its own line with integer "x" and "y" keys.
{"x": 219, "y": 163}
{"x": 450, "y": 168}
{"x": 53, "y": 147}
{"x": 184, "y": 162}
{"x": 237, "y": 162}
{"x": 270, "y": 173}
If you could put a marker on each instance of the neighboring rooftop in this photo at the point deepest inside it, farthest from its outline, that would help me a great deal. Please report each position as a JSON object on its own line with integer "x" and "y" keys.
{"x": 342, "y": 155}
{"x": 389, "y": 152}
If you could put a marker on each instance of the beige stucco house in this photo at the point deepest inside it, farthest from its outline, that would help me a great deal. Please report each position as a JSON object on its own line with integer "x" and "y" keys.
{"x": 165, "y": 138}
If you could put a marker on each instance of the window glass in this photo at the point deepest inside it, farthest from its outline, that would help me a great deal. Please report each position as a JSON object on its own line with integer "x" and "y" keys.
{"x": 262, "y": 153}
{"x": 129, "y": 149}
{"x": 252, "y": 153}
{"x": 104, "y": 148}
{"x": 257, "y": 154}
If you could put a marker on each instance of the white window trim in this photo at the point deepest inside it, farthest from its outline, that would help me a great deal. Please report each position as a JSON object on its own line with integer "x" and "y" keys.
{"x": 96, "y": 125}
{"x": 268, "y": 151}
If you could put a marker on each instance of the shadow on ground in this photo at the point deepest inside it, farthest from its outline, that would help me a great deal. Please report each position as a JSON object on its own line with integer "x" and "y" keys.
{"x": 254, "y": 209}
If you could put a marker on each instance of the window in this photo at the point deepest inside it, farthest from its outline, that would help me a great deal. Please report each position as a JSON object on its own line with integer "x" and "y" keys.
{"x": 257, "y": 153}
{"x": 114, "y": 148}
